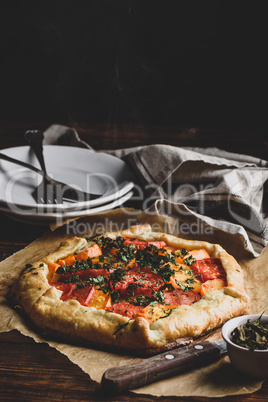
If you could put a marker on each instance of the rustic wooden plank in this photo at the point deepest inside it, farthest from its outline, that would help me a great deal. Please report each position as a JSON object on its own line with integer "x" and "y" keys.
{"x": 32, "y": 371}
{"x": 113, "y": 136}
{"x": 7, "y": 249}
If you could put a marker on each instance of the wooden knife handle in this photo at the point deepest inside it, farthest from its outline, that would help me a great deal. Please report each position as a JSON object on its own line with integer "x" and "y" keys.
{"x": 119, "y": 379}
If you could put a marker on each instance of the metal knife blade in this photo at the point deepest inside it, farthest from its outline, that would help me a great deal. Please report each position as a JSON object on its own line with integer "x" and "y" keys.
{"x": 119, "y": 379}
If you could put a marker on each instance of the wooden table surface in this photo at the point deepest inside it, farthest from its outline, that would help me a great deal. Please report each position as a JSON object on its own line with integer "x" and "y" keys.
{"x": 36, "y": 372}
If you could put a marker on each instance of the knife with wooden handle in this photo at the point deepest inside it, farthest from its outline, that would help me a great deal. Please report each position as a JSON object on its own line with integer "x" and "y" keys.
{"x": 119, "y": 379}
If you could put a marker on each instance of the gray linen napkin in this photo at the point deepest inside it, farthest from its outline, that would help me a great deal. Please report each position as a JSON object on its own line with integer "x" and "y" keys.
{"x": 213, "y": 195}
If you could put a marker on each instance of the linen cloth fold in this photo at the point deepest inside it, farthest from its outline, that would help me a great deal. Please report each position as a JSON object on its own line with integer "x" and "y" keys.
{"x": 210, "y": 192}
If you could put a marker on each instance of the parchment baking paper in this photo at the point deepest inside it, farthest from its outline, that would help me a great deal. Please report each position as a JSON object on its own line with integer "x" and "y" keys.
{"x": 215, "y": 380}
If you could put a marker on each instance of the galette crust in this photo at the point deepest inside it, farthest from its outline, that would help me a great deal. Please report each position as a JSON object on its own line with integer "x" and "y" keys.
{"x": 86, "y": 325}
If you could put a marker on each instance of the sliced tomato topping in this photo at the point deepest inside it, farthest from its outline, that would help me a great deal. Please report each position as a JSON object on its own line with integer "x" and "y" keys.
{"x": 141, "y": 245}
{"x": 191, "y": 255}
{"x": 101, "y": 271}
{"x": 198, "y": 254}
{"x": 208, "y": 269}
{"x": 93, "y": 251}
{"x": 213, "y": 284}
{"x": 83, "y": 295}
{"x": 101, "y": 300}
{"x": 158, "y": 244}
{"x": 138, "y": 283}
{"x": 153, "y": 313}
{"x": 125, "y": 309}
{"x": 52, "y": 276}
{"x": 178, "y": 297}
{"x": 66, "y": 288}
{"x": 67, "y": 261}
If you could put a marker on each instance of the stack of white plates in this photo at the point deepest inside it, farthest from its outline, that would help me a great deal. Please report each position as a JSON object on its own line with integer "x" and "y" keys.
{"x": 93, "y": 172}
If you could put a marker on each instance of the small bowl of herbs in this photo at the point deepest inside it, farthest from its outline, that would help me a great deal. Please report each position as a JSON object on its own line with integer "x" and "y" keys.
{"x": 247, "y": 344}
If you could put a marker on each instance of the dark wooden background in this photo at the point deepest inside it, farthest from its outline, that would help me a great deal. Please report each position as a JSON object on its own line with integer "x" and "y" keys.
{"x": 138, "y": 62}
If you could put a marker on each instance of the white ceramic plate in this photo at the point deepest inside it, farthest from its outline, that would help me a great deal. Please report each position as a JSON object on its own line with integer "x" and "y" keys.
{"x": 84, "y": 169}
{"x": 26, "y": 215}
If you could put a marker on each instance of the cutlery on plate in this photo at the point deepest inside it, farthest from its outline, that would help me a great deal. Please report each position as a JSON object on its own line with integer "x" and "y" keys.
{"x": 46, "y": 192}
{"x": 43, "y": 193}
{"x": 61, "y": 190}
{"x": 116, "y": 380}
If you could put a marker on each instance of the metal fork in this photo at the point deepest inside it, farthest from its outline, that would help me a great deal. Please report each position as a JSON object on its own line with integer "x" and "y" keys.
{"x": 46, "y": 192}
{"x": 61, "y": 191}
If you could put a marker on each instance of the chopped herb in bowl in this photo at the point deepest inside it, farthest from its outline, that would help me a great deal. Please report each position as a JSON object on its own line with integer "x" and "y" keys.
{"x": 252, "y": 335}
{"x": 247, "y": 344}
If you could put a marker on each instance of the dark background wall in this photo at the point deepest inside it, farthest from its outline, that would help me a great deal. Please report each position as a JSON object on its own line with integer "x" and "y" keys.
{"x": 175, "y": 63}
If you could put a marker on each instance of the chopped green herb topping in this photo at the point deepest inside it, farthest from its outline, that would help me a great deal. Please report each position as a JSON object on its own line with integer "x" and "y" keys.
{"x": 118, "y": 275}
{"x": 126, "y": 253}
{"x": 121, "y": 262}
{"x": 189, "y": 260}
{"x": 183, "y": 287}
{"x": 121, "y": 326}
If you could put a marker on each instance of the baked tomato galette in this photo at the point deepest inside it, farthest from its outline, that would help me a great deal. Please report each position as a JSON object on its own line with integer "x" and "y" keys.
{"x": 134, "y": 290}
